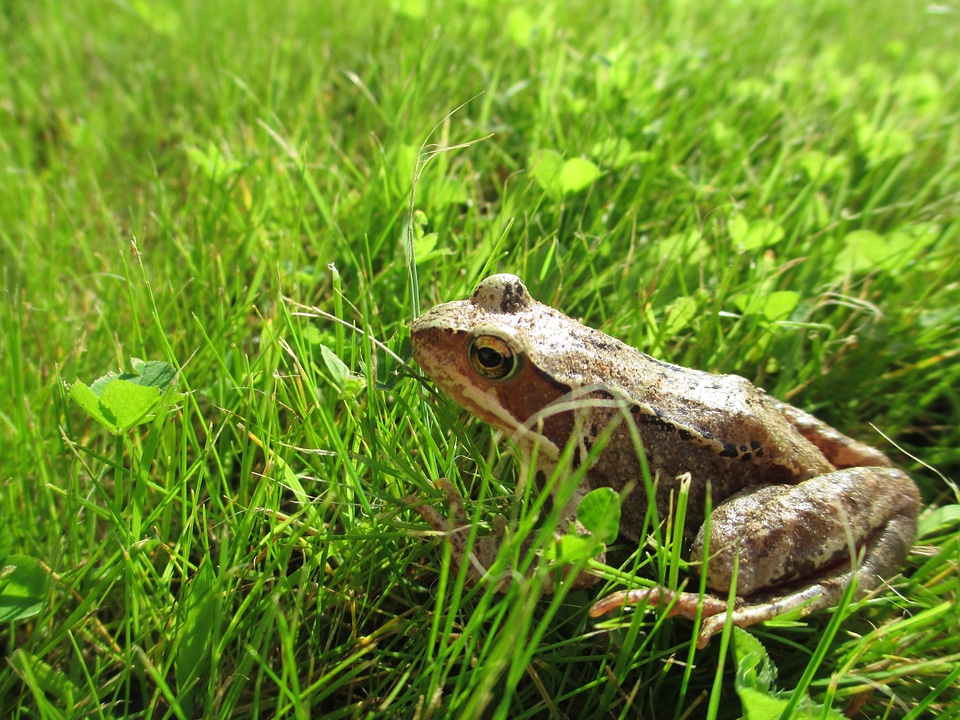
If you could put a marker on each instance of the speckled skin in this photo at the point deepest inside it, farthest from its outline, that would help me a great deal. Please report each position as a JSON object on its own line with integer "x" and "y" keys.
{"x": 791, "y": 484}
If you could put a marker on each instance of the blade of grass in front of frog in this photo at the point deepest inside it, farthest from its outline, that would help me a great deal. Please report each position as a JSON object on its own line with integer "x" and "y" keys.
{"x": 715, "y": 692}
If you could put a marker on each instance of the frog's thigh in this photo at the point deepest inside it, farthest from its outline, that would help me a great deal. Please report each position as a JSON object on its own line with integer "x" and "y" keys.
{"x": 883, "y": 558}
{"x": 785, "y": 533}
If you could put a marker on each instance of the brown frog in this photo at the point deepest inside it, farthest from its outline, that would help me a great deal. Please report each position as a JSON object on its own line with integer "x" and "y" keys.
{"x": 794, "y": 498}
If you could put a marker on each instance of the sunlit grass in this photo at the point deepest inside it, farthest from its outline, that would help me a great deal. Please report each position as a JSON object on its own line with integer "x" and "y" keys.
{"x": 762, "y": 188}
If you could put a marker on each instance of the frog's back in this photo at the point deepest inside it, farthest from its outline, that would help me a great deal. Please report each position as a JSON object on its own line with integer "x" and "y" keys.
{"x": 720, "y": 429}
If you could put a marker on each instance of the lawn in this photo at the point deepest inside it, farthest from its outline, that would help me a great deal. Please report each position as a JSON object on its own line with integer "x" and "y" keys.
{"x": 212, "y": 429}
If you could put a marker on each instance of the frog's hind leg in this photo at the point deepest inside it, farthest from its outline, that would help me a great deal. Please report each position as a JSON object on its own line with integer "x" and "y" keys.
{"x": 824, "y": 593}
{"x": 882, "y": 559}
{"x": 778, "y": 534}
{"x": 793, "y": 547}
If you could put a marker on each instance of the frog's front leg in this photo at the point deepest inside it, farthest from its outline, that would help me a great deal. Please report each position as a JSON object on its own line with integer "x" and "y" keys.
{"x": 795, "y": 545}
{"x": 482, "y": 553}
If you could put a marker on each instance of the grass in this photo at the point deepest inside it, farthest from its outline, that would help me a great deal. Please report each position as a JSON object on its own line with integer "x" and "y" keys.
{"x": 762, "y": 188}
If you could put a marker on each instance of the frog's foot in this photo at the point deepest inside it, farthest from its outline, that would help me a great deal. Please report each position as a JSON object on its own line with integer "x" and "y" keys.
{"x": 714, "y": 610}
{"x": 876, "y": 507}
{"x": 684, "y": 604}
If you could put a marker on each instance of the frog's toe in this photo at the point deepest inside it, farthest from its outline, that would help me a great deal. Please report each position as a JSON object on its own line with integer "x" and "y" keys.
{"x": 677, "y": 603}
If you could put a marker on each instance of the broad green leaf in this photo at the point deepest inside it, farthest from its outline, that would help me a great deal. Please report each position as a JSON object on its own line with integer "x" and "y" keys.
{"x": 23, "y": 588}
{"x": 754, "y": 667}
{"x": 214, "y": 164}
{"x": 152, "y": 373}
{"x": 682, "y": 246}
{"x": 778, "y": 305}
{"x": 160, "y": 16}
{"x": 599, "y": 512}
{"x": 559, "y": 178}
{"x": 738, "y": 227}
{"x": 755, "y": 678}
{"x": 879, "y": 143}
{"x": 621, "y": 67}
{"x": 424, "y": 243}
{"x": 149, "y": 373}
{"x": 126, "y": 403}
{"x": 862, "y": 250}
{"x": 43, "y": 679}
{"x": 448, "y": 191}
{"x": 752, "y": 88}
{"x": 907, "y": 244}
{"x": 758, "y": 705}
{"x": 424, "y": 247}
{"x": 920, "y": 91}
{"x": 121, "y": 404}
{"x": 574, "y": 548}
{"x": 403, "y": 165}
{"x": 101, "y": 382}
{"x": 420, "y": 221}
{"x": 338, "y": 370}
{"x": 773, "y": 306}
{"x": 414, "y": 9}
{"x": 617, "y": 153}
{"x": 577, "y": 174}
{"x": 90, "y": 401}
{"x": 347, "y": 382}
{"x": 938, "y": 519}
{"x": 724, "y": 136}
{"x": 820, "y": 168}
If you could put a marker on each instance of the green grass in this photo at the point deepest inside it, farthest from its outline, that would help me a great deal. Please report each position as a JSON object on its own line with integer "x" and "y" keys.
{"x": 777, "y": 196}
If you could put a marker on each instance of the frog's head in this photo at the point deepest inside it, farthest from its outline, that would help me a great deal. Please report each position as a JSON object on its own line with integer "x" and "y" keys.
{"x": 491, "y": 352}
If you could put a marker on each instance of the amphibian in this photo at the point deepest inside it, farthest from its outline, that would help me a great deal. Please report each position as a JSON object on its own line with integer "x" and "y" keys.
{"x": 788, "y": 492}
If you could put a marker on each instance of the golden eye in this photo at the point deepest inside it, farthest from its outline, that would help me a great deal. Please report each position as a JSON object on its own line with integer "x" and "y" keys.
{"x": 492, "y": 357}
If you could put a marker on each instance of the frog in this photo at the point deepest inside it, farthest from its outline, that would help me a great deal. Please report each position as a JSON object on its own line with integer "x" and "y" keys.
{"x": 796, "y": 510}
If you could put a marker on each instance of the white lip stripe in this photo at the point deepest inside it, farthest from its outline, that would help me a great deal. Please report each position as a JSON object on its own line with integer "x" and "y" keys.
{"x": 482, "y": 400}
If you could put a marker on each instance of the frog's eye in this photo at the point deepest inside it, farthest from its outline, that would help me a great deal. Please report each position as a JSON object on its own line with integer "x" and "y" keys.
{"x": 492, "y": 357}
